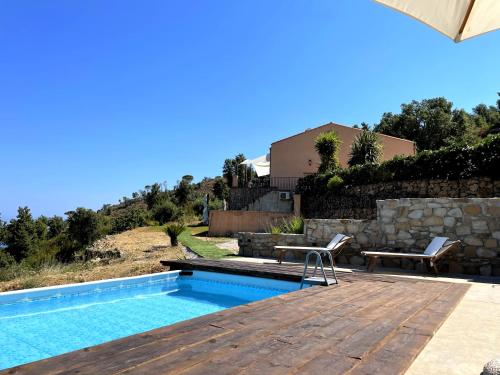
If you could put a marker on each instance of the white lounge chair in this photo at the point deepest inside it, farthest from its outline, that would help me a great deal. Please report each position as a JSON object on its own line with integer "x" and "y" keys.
{"x": 434, "y": 251}
{"x": 335, "y": 247}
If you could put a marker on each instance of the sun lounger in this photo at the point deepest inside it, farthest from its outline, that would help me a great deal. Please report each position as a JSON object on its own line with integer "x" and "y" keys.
{"x": 438, "y": 247}
{"x": 335, "y": 247}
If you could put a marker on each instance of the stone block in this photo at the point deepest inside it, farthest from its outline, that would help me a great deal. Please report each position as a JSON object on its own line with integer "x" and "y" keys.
{"x": 388, "y": 203}
{"x": 409, "y": 242}
{"x": 361, "y": 238}
{"x": 463, "y": 230}
{"x": 473, "y": 241}
{"x": 436, "y": 229}
{"x": 486, "y": 253}
{"x": 494, "y": 211}
{"x": 433, "y": 220}
{"x": 455, "y": 212}
{"x": 472, "y": 209}
{"x": 439, "y": 211}
{"x": 402, "y": 226}
{"x": 389, "y": 228}
{"x": 402, "y": 235}
{"x": 491, "y": 243}
{"x": 433, "y": 205}
{"x": 496, "y": 235}
{"x": 469, "y": 251}
{"x": 449, "y": 221}
{"x": 387, "y": 213}
{"x": 480, "y": 226}
{"x": 416, "y": 214}
{"x": 390, "y": 237}
{"x": 427, "y": 212}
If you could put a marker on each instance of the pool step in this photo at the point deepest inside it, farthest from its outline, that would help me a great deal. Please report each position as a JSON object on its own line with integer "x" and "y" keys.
{"x": 318, "y": 280}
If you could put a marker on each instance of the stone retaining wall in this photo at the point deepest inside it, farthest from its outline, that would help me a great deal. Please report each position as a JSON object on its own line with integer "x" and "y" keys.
{"x": 261, "y": 244}
{"x": 359, "y": 201}
{"x": 407, "y": 225}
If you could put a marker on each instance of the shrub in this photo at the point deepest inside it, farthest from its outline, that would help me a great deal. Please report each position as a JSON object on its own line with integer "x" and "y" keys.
{"x": 198, "y": 206}
{"x": 173, "y": 231}
{"x": 215, "y": 204}
{"x": 327, "y": 145}
{"x": 131, "y": 219}
{"x": 165, "y": 212}
{"x": 6, "y": 260}
{"x": 449, "y": 163}
{"x": 84, "y": 226}
{"x": 334, "y": 182}
{"x": 366, "y": 149}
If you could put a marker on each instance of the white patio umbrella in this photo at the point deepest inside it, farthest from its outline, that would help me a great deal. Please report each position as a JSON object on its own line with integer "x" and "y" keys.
{"x": 457, "y": 19}
{"x": 261, "y": 165}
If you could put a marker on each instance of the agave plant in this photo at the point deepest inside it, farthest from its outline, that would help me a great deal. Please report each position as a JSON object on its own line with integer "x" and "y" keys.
{"x": 173, "y": 231}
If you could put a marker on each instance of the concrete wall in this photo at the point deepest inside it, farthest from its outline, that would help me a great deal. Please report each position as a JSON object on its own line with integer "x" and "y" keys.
{"x": 408, "y": 224}
{"x": 271, "y": 202}
{"x": 222, "y": 223}
{"x": 295, "y": 156}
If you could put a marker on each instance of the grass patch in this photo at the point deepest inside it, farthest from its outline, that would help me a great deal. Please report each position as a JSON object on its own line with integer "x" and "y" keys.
{"x": 203, "y": 248}
{"x": 199, "y": 230}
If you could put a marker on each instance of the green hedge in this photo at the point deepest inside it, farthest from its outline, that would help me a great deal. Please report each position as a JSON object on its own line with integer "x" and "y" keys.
{"x": 449, "y": 163}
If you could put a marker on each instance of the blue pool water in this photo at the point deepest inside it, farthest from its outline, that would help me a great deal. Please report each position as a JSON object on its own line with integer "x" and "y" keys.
{"x": 41, "y": 323}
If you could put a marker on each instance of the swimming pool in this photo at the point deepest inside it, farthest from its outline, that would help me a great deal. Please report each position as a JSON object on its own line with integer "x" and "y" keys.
{"x": 44, "y": 322}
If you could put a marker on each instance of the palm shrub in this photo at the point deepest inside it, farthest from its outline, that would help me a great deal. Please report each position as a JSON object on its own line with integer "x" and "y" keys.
{"x": 366, "y": 149}
{"x": 327, "y": 145}
{"x": 173, "y": 231}
{"x": 294, "y": 225}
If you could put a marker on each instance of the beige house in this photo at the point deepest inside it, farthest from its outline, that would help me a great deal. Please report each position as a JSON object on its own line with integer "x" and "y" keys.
{"x": 295, "y": 156}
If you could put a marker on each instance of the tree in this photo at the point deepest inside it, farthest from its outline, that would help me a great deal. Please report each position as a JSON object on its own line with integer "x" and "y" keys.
{"x": 220, "y": 188}
{"x": 41, "y": 227}
{"x": 83, "y": 227}
{"x": 430, "y": 123}
{"x": 56, "y": 226}
{"x": 20, "y": 235}
{"x": 3, "y": 227}
{"x": 487, "y": 118}
{"x": 183, "y": 190}
{"x": 327, "y": 145}
{"x": 229, "y": 170}
{"x": 152, "y": 196}
{"x": 366, "y": 149}
{"x": 233, "y": 167}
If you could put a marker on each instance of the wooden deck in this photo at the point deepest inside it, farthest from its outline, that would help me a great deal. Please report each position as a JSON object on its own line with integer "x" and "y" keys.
{"x": 368, "y": 324}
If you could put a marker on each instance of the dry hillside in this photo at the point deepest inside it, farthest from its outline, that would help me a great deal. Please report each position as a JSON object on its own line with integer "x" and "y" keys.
{"x": 141, "y": 250}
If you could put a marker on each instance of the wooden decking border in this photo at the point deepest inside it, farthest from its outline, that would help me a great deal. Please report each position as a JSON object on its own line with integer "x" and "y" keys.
{"x": 368, "y": 324}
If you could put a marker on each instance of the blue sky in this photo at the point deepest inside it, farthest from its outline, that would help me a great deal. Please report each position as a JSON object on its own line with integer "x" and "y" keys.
{"x": 99, "y": 98}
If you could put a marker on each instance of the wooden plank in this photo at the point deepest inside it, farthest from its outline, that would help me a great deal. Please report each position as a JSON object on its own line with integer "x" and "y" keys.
{"x": 394, "y": 358}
